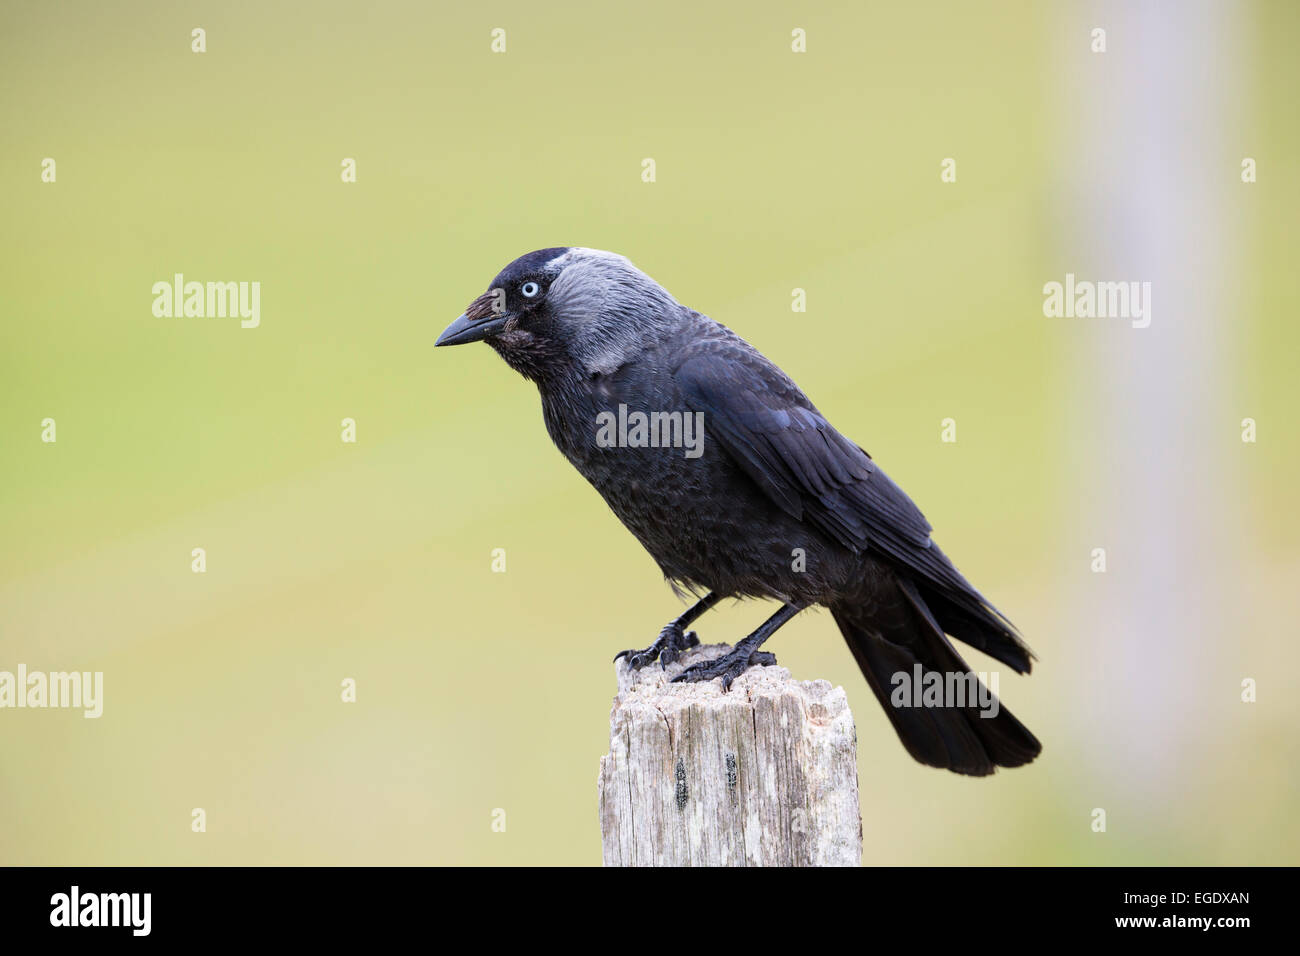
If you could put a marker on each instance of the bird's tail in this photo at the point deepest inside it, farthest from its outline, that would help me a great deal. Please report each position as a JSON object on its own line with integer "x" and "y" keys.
{"x": 944, "y": 715}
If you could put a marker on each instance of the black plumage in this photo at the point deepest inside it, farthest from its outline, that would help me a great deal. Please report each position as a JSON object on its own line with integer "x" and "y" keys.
{"x": 773, "y": 479}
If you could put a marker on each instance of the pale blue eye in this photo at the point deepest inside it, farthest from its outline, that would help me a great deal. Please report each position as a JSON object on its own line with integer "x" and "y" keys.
{"x": 529, "y": 289}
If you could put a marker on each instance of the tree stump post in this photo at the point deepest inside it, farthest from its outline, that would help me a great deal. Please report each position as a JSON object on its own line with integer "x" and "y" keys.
{"x": 763, "y": 775}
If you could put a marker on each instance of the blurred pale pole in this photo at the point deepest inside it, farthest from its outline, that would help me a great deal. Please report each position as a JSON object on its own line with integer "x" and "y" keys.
{"x": 1145, "y": 160}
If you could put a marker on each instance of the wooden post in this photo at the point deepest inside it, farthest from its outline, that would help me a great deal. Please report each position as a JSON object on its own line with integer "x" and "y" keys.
{"x": 763, "y": 775}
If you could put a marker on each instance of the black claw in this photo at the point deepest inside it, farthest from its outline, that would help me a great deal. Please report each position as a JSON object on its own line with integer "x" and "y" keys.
{"x": 667, "y": 648}
{"x": 727, "y": 667}
{"x": 672, "y": 652}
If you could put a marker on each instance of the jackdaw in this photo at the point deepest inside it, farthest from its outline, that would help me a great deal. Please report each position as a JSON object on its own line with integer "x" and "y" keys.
{"x": 775, "y": 504}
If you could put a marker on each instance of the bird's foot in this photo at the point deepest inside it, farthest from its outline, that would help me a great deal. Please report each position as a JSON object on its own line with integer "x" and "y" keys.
{"x": 666, "y": 648}
{"x": 728, "y": 667}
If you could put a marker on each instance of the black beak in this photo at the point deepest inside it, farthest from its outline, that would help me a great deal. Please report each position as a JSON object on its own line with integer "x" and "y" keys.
{"x": 465, "y": 329}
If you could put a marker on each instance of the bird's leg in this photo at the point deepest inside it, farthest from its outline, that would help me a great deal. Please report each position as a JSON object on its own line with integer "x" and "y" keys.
{"x": 673, "y": 639}
{"x": 743, "y": 656}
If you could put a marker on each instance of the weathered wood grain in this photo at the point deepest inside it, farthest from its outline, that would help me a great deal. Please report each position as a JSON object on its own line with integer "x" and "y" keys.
{"x": 763, "y": 775}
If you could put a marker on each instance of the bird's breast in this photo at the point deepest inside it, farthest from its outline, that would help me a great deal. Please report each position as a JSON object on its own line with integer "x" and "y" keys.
{"x": 680, "y": 494}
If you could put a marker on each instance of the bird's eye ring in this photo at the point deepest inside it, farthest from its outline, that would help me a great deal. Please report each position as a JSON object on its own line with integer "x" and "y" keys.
{"x": 529, "y": 290}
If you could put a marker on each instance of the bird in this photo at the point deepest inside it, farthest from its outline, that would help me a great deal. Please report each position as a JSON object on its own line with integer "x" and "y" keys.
{"x": 768, "y": 500}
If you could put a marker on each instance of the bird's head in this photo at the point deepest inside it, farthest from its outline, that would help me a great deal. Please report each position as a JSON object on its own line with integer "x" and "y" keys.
{"x": 567, "y": 308}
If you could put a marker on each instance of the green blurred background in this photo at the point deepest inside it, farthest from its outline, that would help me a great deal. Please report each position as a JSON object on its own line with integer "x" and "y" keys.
{"x": 775, "y": 170}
